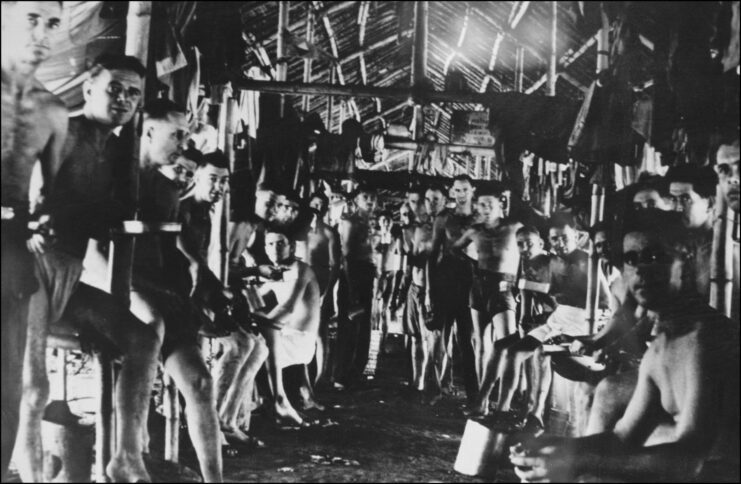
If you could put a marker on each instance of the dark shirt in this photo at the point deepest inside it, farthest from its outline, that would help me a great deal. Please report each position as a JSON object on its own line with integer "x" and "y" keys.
{"x": 89, "y": 191}
{"x": 196, "y": 219}
{"x": 156, "y": 257}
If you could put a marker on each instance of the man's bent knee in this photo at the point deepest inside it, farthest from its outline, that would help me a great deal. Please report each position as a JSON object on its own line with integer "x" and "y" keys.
{"x": 36, "y": 394}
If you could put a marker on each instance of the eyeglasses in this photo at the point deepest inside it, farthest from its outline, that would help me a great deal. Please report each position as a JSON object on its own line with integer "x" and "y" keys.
{"x": 181, "y": 169}
{"x": 115, "y": 89}
{"x": 646, "y": 256}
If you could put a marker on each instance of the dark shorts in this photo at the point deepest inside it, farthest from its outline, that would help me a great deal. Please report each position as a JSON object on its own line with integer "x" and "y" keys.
{"x": 491, "y": 293}
{"x": 451, "y": 288}
{"x": 415, "y": 313}
{"x": 384, "y": 289}
{"x": 183, "y": 319}
{"x": 59, "y": 274}
{"x": 18, "y": 280}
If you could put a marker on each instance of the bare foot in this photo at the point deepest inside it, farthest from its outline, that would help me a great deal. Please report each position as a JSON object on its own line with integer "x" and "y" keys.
{"x": 239, "y": 436}
{"x": 126, "y": 468}
{"x": 310, "y": 403}
{"x": 477, "y": 410}
{"x": 435, "y": 399}
{"x": 285, "y": 411}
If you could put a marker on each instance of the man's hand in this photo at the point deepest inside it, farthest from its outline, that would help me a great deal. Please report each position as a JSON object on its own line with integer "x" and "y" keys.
{"x": 551, "y": 463}
{"x": 42, "y": 236}
{"x": 428, "y": 302}
{"x": 578, "y": 348}
{"x": 193, "y": 271}
{"x": 274, "y": 273}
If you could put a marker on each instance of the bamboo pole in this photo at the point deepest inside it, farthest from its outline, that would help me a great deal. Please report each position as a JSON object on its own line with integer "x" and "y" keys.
{"x": 721, "y": 259}
{"x": 282, "y": 69}
{"x": 318, "y": 89}
{"x": 552, "y": 78}
{"x": 308, "y": 61}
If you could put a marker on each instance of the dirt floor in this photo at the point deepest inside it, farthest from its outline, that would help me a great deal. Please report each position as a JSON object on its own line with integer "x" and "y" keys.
{"x": 378, "y": 434}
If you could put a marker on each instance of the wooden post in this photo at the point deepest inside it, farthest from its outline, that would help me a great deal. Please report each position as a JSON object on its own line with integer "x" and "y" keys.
{"x": 596, "y": 213}
{"x": 282, "y": 69}
{"x": 330, "y": 99}
{"x": 172, "y": 419}
{"x": 552, "y": 78}
{"x": 419, "y": 64}
{"x": 721, "y": 259}
{"x": 305, "y": 103}
{"x": 603, "y": 39}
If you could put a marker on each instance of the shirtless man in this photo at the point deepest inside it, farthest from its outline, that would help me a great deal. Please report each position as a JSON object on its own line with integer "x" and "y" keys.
{"x": 34, "y": 126}
{"x": 181, "y": 172}
{"x": 682, "y": 422}
{"x": 415, "y": 200}
{"x": 491, "y": 300}
{"x": 161, "y": 285}
{"x": 568, "y": 286}
{"x": 357, "y": 285}
{"x": 450, "y": 280}
{"x": 324, "y": 258}
{"x": 86, "y": 207}
{"x": 428, "y": 350}
{"x": 650, "y": 193}
{"x": 387, "y": 248}
{"x": 536, "y": 304}
{"x": 291, "y": 327}
{"x": 692, "y": 191}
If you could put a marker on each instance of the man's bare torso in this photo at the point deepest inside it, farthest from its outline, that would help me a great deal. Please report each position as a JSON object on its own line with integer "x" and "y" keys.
{"x": 29, "y": 120}
{"x": 497, "y": 248}
{"x": 455, "y": 225}
{"x": 422, "y": 246}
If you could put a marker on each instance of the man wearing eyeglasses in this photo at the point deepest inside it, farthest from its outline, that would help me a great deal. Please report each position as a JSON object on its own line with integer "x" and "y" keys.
{"x": 181, "y": 172}
{"x": 90, "y": 197}
{"x": 682, "y": 422}
{"x": 692, "y": 191}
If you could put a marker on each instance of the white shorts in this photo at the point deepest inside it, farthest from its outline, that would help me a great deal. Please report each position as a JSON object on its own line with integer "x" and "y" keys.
{"x": 298, "y": 347}
{"x": 568, "y": 320}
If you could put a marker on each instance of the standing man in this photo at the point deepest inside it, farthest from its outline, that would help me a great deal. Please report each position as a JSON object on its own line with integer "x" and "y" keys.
{"x": 692, "y": 191}
{"x": 90, "y": 199}
{"x": 491, "y": 299}
{"x": 359, "y": 270}
{"x": 324, "y": 257}
{"x": 450, "y": 281}
{"x": 428, "y": 348}
{"x": 34, "y": 127}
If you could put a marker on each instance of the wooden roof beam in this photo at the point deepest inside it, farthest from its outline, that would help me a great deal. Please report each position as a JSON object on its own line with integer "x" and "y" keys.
{"x": 367, "y": 49}
{"x": 322, "y": 11}
{"x": 478, "y": 13}
{"x": 333, "y": 45}
{"x": 566, "y": 60}
{"x": 518, "y": 11}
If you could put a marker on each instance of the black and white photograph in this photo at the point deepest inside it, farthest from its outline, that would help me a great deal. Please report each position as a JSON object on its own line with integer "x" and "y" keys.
{"x": 370, "y": 241}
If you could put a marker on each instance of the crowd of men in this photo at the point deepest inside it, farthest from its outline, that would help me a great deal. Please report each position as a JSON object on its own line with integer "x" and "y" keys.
{"x": 470, "y": 278}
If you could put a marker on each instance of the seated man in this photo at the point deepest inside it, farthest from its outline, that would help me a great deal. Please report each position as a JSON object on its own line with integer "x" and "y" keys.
{"x": 181, "y": 172}
{"x": 88, "y": 202}
{"x": 291, "y": 326}
{"x": 682, "y": 422}
{"x": 244, "y": 353}
{"x": 568, "y": 287}
{"x": 161, "y": 284}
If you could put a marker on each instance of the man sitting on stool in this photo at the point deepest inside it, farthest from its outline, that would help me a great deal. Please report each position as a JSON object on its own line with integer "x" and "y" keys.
{"x": 291, "y": 327}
